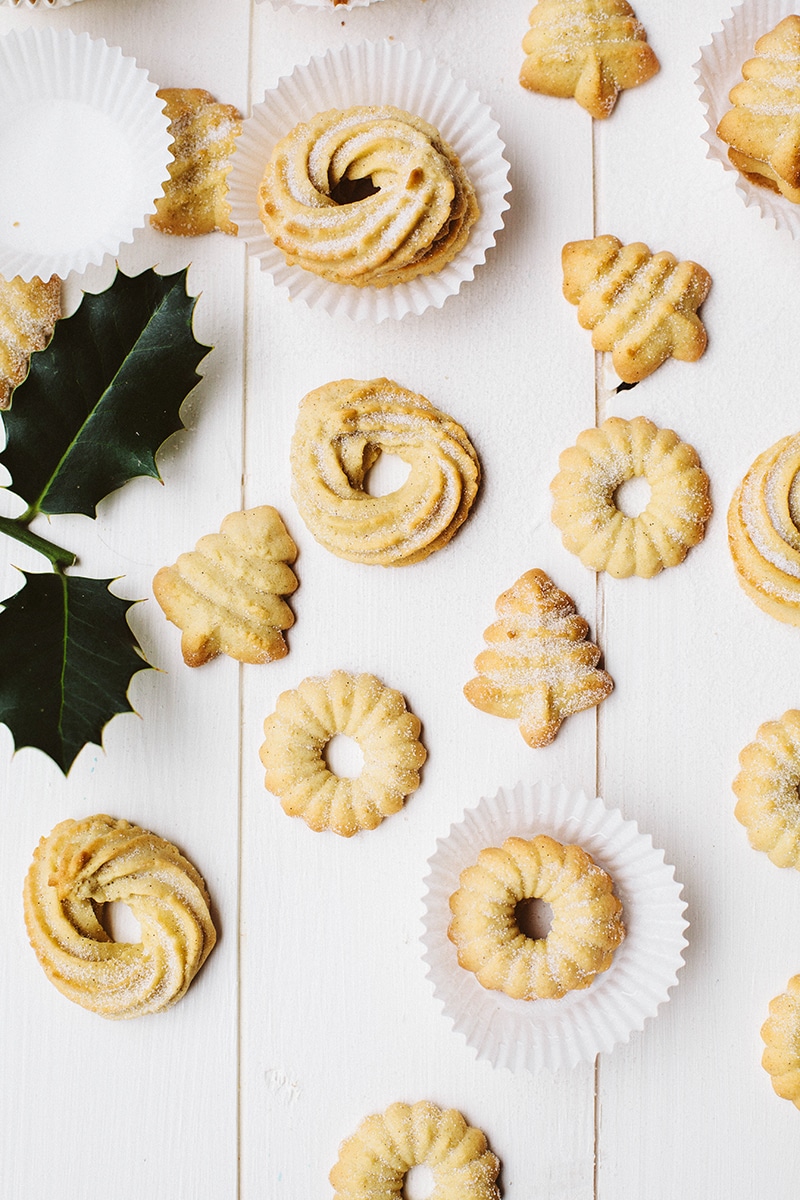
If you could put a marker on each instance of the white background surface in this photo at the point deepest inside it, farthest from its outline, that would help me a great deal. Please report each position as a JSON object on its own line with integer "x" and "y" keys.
{"x": 314, "y": 1009}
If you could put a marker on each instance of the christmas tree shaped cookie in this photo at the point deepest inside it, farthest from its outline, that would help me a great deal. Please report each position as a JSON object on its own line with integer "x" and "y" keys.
{"x": 538, "y": 666}
{"x": 225, "y": 595}
{"x": 640, "y": 306}
{"x": 28, "y": 313}
{"x": 763, "y": 127}
{"x": 589, "y": 49}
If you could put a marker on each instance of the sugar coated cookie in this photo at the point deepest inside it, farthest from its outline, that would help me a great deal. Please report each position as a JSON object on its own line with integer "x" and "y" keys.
{"x": 83, "y": 865}
{"x": 589, "y": 49}
{"x": 364, "y": 709}
{"x": 585, "y": 931}
{"x": 374, "y": 1162}
{"x": 763, "y": 127}
{"x": 768, "y": 790}
{"x": 641, "y": 307}
{"x": 225, "y": 595}
{"x": 28, "y": 314}
{"x": 594, "y": 528}
{"x": 764, "y": 531}
{"x": 341, "y": 430}
{"x": 538, "y": 668}
{"x": 203, "y": 139}
{"x": 781, "y": 1036}
{"x": 367, "y": 196}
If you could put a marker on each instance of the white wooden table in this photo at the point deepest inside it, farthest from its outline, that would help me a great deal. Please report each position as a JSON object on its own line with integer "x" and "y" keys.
{"x": 314, "y": 1009}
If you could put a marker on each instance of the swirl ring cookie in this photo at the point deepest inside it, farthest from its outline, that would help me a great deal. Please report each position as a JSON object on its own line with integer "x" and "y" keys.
{"x": 594, "y": 527}
{"x": 781, "y": 1036}
{"x": 83, "y": 864}
{"x": 586, "y": 927}
{"x": 367, "y": 196}
{"x": 376, "y": 718}
{"x": 374, "y": 1162}
{"x": 764, "y": 531}
{"x": 341, "y": 430}
{"x": 768, "y": 790}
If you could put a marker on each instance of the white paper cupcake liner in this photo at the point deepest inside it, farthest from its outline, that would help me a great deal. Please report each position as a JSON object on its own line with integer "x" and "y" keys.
{"x": 85, "y": 146}
{"x": 27, "y": 4}
{"x": 373, "y": 73}
{"x": 718, "y": 69}
{"x": 556, "y": 1034}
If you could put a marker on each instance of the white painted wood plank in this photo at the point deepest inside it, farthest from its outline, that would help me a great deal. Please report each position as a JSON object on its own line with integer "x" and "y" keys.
{"x": 338, "y": 1019}
{"x": 160, "y": 1093}
{"x": 686, "y": 1108}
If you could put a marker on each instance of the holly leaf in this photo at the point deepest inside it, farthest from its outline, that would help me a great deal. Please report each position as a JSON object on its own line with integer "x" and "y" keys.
{"x": 104, "y": 395}
{"x": 67, "y": 655}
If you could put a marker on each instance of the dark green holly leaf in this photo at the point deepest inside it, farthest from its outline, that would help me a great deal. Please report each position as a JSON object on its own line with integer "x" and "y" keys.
{"x": 103, "y": 396}
{"x": 67, "y": 655}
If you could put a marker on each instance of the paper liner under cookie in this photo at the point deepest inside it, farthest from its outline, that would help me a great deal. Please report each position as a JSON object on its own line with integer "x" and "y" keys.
{"x": 104, "y": 146}
{"x": 718, "y": 69}
{"x": 550, "y": 1035}
{"x": 373, "y": 73}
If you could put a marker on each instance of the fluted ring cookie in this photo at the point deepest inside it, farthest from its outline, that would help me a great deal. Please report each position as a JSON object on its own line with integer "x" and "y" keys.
{"x": 374, "y": 1162}
{"x": 367, "y": 196}
{"x": 764, "y": 531}
{"x": 84, "y": 864}
{"x": 594, "y": 527}
{"x": 376, "y": 718}
{"x": 781, "y": 1036}
{"x": 341, "y": 430}
{"x": 586, "y": 925}
{"x": 768, "y": 790}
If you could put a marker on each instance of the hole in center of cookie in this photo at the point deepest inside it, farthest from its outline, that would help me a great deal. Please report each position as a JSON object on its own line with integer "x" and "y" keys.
{"x": 418, "y": 1183}
{"x": 120, "y": 923}
{"x": 343, "y": 757}
{"x": 350, "y": 191}
{"x": 534, "y": 918}
{"x": 632, "y": 496}
{"x": 386, "y": 475}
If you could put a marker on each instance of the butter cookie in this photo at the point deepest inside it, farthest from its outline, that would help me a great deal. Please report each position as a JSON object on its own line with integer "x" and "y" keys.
{"x": 764, "y": 531}
{"x": 203, "y": 139}
{"x": 83, "y": 865}
{"x": 585, "y": 931}
{"x": 374, "y": 1162}
{"x": 768, "y": 790}
{"x": 376, "y": 718}
{"x": 595, "y": 528}
{"x": 640, "y": 306}
{"x": 538, "y": 667}
{"x": 589, "y": 49}
{"x": 781, "y": 1036}
{"x": 367, "y": 196}
{"x": 341, "y": 430}
{"x": 28, "y": 314}
{"x": 225, "y": 595}
{"x": 762, "y": 129}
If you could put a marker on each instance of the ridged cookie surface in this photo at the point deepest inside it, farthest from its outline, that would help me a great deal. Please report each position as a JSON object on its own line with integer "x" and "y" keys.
{"x": 764, "y": 531}
{"x": 28, "y": 314}
{"x": 373, "y": 1163}
{"x": 641, "y": 307}
{"x": 83, "y": 865}
{"x": 367, "y": 196}
{"x": 589, "y": 49}
{"x": 763, "y": 127}
{"x": 203, "y": 139}
{"x": 538, "y": 667}
{"x": 225, "y": 595}
{"x": 768, "y": 790}
{"x": 341, "y": 430}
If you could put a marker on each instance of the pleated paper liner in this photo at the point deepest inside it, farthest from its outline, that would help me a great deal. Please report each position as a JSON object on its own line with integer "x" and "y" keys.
{"x": 38, "y": 4}
{"x": 85, "y": 143}
{"x": 718, "y": 69}
{"x": 373, "y": 73}
{"x": 534, "y": 1035}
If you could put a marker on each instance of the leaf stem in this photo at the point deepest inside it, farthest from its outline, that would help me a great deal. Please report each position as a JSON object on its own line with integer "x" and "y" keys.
{"x": 16, "y": 528}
